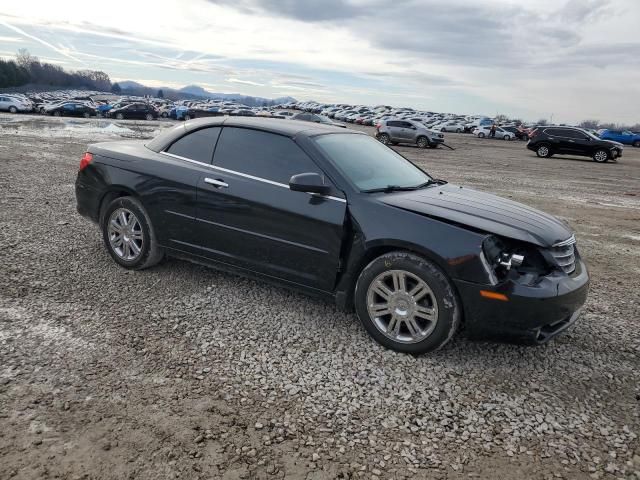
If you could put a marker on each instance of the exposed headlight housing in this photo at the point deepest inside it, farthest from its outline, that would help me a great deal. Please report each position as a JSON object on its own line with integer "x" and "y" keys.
{"x": 506, "y": 256}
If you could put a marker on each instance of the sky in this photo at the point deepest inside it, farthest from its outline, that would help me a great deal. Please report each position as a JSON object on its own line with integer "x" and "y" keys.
{"x": 562, "y": 60}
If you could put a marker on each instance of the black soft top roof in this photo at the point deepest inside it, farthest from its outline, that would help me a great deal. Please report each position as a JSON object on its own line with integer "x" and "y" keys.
{"x": 289, "y": 128}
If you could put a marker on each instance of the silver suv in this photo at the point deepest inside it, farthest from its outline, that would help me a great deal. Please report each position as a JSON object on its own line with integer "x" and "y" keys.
{"x": 393, "y": 131}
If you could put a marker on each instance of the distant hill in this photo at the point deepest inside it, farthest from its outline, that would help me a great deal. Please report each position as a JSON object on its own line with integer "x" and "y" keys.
{"x": 130, "y": 87}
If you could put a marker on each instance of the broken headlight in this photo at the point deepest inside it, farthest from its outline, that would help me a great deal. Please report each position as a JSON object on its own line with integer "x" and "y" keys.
{"x": 512, "y": 257}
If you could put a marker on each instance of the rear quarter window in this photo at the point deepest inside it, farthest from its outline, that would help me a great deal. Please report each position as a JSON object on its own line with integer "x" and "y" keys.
{"x": 198, "y": 145}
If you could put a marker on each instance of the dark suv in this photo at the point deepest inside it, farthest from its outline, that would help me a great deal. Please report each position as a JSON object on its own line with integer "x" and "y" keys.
{"x": 547, "y": 141}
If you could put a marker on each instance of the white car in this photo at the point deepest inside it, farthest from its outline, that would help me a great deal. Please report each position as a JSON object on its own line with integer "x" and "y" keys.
{"x": 451, "y": 127}
{"x": 14, "y": 104}
{"x": 485, "y": 132}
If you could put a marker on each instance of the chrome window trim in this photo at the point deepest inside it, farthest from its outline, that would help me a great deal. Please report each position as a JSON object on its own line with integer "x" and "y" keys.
{"x": 246, "y": 175}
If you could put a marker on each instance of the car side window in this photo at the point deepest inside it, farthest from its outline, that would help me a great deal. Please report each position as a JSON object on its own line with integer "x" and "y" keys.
{"x": 262, "y": 154}
{"x": 393, "y": 124}
{"x": 198, "y": 145}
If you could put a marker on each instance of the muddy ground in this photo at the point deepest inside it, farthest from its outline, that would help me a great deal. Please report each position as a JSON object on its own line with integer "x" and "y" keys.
{"x": 185, "y": 372}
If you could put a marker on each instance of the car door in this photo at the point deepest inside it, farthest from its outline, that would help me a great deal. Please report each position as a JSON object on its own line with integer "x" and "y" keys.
{"x": 248, "y": 217}
{"x": 171, "y": 189}
{"x": 571, "y": 141}
{"x": 407, "y": 132}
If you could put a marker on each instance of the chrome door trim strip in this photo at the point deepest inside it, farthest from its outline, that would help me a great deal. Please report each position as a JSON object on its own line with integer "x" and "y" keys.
{"x": 250, "y": 177}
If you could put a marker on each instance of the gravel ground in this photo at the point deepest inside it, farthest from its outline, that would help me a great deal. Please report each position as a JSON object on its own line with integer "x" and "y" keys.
{"x": 185, "y": 372}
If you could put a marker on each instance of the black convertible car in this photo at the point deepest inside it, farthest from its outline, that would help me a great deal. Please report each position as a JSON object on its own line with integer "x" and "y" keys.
{"x": 335, "y": 213}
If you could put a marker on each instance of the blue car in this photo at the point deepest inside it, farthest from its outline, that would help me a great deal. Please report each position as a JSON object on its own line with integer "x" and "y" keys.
{"x": 621, "y": 136}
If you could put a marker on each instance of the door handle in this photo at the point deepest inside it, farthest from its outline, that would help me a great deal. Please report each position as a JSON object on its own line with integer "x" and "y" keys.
{"x": 216, "y": 183}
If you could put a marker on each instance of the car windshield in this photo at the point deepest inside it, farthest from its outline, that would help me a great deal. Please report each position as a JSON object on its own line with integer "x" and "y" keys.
{"x": 369, "y": 164}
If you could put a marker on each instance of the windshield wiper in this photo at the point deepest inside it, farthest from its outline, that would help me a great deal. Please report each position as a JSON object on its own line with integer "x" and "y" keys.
{"x": 398, "y": 188}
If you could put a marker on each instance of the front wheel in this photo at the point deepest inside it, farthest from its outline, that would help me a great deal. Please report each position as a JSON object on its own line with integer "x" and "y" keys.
{"x": 149, "y": 116}
{"x": 128, "y": 234}
{"x": 423, "y": 142}
{"x": 601, "y": 156}
{"x": 187, "y": 117}
{"x": 481, "y": 135}
{"x": 120, "y": 116}
{"x": 406, "y": 303}
{"x": 86, "y": 114}
{"x": 636, "y": 144}
{"x": 13, "y": 109}
{"x": 57, "y": 113}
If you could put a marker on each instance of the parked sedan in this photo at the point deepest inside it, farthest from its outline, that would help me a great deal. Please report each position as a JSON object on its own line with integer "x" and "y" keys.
{"x": 139, "y": 111}
{"x": 485, "y": 132}
{"x": 13, "y": 104}
{"x": 337, "y": 214}
{"x": 71, "y": 109}
{"x": 451, "y": 127}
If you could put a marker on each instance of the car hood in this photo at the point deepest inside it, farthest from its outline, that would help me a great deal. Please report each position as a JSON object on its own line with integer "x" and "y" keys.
{"x": 614, "y": 143}
{"x": 482, "y": 211}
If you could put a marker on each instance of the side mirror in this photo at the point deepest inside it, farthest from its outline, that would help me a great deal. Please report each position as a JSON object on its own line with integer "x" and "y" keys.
{"x": 309, "y": 183}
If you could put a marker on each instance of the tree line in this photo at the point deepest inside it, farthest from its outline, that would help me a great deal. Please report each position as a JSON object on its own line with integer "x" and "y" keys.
{"x": 27, "y": 68}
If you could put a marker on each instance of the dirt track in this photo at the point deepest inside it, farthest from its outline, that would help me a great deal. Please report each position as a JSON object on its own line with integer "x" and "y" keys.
{"x": 185, "y": 372}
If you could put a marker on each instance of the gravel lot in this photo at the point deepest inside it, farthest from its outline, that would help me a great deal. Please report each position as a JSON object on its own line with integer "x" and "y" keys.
{"x": 185, "y": 372}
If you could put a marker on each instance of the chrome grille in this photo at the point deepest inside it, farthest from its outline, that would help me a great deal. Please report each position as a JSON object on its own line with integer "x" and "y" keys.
{"x": 565, "y": 255}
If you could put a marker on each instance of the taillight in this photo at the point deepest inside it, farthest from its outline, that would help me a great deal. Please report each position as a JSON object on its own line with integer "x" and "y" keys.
{"x": 86, "y": 159}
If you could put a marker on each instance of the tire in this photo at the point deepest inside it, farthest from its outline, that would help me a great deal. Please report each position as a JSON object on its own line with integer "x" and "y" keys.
{"x": 636, "y": 144}
{"x": 57, "y": 113}
{"x": 422, "y": 142}
{"x": 437, "y": 300}
{"x": 543, "y": 151}
{"x": 146, "y": 253}
{"x": 601, "y": 156}
{"x": 384, "y": 139}
{"x": 443, "y": 130}
{"x": 13, "y": 109}
{"x": 458, "y": 130}
{"x": 165, "y": 115}
{"x": 507, "y": 138}
{"x": 187, "y": 117}
{"x": 148, "y": 116}
{"x": 120, "y": 116}
{"x": 86, "y": 114}
{"x": 481, "y": 135}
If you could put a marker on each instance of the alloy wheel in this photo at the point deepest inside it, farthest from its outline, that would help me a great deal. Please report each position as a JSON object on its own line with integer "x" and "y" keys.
{"x": 402, "y": 306}
{"x": 601, "y": 156}
{"x": 543, "y": 151}
{"x": 125, "y": 234}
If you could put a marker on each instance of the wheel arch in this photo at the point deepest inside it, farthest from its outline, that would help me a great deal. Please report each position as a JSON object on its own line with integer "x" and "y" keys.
{"x": 113, "y": 192}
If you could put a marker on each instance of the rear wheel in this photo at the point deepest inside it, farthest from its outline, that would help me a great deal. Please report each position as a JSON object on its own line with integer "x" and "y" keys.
{"x": 406, "y": 303}
{"x": 458, "y": 130}
{"x": 384, "y": 138}
{"x": 187, "y": 117}
{"x": 423, "y": 142}
{"x": 601, "y": 156}
{"x": 57, "y": 113}
{"x": 149, "y": 116}
{"x": 86, "y": 114}
{"x": 543, "y": 151}
{"x": 13, "y": 109}
{"x": 128, "y": 234}
{"x": 481, "y": 135}
{"x": 636, "y": 144}
{"x": 120, "y": 116}
{"x": 507, "y": 138}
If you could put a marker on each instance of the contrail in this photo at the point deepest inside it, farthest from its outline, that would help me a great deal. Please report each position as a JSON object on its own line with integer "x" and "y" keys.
{"x": 39, "y": 40}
